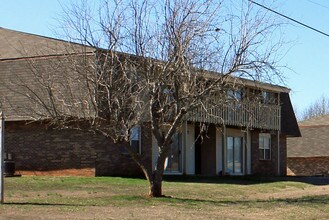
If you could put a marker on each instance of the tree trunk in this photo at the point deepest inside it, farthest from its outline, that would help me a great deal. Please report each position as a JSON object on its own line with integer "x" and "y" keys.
{"x": 154, "y": 178}
{"x": 155, "y": 184}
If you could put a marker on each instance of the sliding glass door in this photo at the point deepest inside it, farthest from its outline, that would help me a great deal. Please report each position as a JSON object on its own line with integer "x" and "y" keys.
{"x": 234, "y": 155}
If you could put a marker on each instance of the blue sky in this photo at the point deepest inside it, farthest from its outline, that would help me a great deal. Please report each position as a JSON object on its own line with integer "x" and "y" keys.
{"x": 307, "y": 55}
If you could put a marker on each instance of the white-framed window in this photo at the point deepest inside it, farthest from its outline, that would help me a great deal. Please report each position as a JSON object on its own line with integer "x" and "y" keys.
{"x": 235, "y": 95}
{"x": 234, "y": 98}
{"x": 135, "y": 138}
{"x": 268, "y": 97}
{"x": 264, "y": 146}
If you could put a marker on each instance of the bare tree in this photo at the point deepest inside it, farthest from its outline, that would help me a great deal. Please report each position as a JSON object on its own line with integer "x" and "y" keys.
{"x": 153, "y": 63}
{"x": 318, "y": 108}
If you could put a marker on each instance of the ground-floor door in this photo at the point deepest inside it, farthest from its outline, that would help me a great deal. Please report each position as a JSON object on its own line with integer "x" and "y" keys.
{"x": 234, "y": 155}
{"x": 219, "y": 151}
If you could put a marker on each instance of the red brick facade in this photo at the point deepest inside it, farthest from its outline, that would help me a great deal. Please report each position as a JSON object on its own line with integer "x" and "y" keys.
{"x": 308, "y": 166}
{"x": 41, "y": 150}
{"x": 268, "y": 167}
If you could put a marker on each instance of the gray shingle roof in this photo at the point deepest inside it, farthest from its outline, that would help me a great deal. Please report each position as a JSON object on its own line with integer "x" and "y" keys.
{"x": 317, "y": 121}
{"x": 17, "y": 70}
{"x": 15, "y": 44}
{"x": 314, "y": 141}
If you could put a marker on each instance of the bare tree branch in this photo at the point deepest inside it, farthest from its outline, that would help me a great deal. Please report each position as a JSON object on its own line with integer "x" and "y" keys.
{"x": 150, "y": 62}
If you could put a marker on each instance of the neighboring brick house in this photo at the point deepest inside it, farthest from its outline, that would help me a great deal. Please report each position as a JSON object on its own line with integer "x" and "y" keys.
{"x": 309, "y": 155}
{"x": 235, "y": 145}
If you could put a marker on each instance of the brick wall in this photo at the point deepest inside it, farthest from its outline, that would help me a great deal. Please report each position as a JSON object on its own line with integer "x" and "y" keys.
{"x": 41, "y": 150}
{"x": 308, "y": 166}
{"x": 283, "y": 156}
{"x": 268, "y": 167}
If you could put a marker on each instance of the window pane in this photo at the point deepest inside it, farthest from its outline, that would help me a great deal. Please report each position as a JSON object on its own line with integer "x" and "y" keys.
{"x": 265, "y": 97}
{"x": 135, "y": 145}
{"x": 135, "y": 138}
{"x": 134, "y": 135}
{"x": 237, "y": 155}
{"x": 230, "y": 153}
{"x": 261, "y": 154}
{"x": 235, "y": 94}
{"x": 173, "y": 161}
{"x": 267, "y": 155}
{"x": 230, "y": 94}
{"x": 238, "y": 95}
{"x": 261, "y": 142}
{"x": 266, "y": 143}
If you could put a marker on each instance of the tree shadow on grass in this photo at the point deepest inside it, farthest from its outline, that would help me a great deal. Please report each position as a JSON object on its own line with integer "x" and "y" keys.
{"x": 312, "y": 200}
{"x": 306, "y": 200}
{"x": 246, "y": 180}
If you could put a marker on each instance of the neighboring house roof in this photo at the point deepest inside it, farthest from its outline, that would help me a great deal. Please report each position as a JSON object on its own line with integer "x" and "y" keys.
{"x": 314, "y": 141}
{"x": 316, "y": 121}
{"x": 15, "y": 44}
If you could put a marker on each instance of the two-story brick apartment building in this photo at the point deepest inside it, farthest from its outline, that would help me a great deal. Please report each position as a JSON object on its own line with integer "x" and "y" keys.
{"x": 240, "y": 138}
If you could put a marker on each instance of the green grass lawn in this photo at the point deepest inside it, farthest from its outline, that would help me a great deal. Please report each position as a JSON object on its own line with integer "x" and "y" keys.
{"x": 125, "y": 198}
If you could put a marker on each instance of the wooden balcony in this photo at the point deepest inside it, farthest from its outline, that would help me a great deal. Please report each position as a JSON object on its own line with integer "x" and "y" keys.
{"x": 251, "y": 115}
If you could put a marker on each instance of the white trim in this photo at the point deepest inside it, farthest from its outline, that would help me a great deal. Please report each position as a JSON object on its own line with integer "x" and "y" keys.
{"x": 248, "y": 162}
{"x": 231, "y": 132}
{"x": 219, "y": 150}
{"x": 244, "y": 146}
{"x": 224, "y": 150}
{"x": 190, "y": 149}
{"x": 278, "y": 136}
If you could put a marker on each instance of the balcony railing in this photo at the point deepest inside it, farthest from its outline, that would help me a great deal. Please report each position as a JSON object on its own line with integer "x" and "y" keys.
{"x": 252, "y": 115}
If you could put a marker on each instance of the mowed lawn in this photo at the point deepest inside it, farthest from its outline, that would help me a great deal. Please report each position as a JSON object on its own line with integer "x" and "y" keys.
{"x": 193, "y": 198}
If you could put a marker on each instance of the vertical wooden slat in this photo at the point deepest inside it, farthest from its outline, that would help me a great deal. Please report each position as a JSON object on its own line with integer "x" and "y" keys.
{"x": 247, "y": 114}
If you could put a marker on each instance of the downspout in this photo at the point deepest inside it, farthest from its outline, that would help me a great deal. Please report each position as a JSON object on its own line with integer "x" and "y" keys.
{"x": 278, "y": 137}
